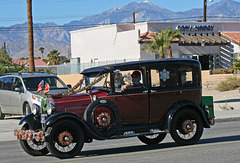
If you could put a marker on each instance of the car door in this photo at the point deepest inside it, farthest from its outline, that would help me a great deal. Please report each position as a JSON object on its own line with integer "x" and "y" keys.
{"x": 6, "y": 95}
{"x": 171, "y": 83}
{"x": 1, "y": 93}
{"x": 164, "y": 89}
{"x": 16, "y": 96}
{"x": 132, "y": 102}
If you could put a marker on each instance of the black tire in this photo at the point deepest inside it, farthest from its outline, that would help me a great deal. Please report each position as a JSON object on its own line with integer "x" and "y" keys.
{"x": 152, "y": 139}
{"x": 186, "y": 127}
{"x": 103, "y": 116}
{"x": 33, "y": 147}
{"x": 26, "y": 109}
{"x": 65, "y": 139}
{"x": 2, "y": 116}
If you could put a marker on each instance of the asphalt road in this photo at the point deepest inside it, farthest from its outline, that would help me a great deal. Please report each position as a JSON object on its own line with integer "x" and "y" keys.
{"x": 219, "y": 144}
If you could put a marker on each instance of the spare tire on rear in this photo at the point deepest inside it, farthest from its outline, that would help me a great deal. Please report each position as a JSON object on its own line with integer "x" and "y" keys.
{"x": 103, "y": 116}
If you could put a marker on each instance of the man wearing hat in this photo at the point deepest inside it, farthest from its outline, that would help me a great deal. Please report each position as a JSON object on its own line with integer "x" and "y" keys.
{"x": 136, "y": 77}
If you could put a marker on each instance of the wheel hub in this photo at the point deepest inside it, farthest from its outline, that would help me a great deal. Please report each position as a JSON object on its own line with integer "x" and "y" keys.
{"x": 104, "y": 119}
{"x": 187, "y": 126}
{"x": 65, "y": 138}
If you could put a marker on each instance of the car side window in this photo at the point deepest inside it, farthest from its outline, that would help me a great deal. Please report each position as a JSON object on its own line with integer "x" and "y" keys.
{"x": 17, "y": 84}
{"x": 1, "y": 82}
{"x": 164, "y": 76}
{"x": 186, "y": 76}
{"x": 128, "y": 80}
{"x": 7, "y": 83}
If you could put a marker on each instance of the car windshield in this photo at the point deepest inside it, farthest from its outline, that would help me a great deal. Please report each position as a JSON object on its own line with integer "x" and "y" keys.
{"x": 54, "y": 82}
{"x": 104, "y": 83}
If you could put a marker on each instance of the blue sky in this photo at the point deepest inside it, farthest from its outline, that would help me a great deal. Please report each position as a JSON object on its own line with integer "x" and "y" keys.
{"x": 64, "y": 11}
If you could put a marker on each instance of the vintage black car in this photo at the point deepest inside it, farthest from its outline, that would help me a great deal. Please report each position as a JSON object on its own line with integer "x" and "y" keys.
{"x": 146, "y": 99}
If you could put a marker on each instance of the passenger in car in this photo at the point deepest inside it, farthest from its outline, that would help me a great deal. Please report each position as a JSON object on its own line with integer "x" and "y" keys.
{"x": 136, "y": 77}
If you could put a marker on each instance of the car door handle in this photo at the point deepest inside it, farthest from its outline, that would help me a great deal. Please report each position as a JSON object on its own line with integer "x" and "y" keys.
{"x": 152, "y": 91}
{"x": 180, "y": 93}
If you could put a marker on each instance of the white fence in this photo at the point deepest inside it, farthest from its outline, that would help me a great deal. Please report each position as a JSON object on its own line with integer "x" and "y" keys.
{"x": 76, "y": 68}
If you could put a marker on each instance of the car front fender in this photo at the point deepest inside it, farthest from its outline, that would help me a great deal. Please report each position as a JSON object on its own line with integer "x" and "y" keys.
{"x": 66, "y": 115}
{"x": 30, "y": 120}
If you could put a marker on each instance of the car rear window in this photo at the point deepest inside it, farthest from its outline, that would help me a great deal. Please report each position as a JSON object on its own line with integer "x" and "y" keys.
{"x": 164, "y": 76}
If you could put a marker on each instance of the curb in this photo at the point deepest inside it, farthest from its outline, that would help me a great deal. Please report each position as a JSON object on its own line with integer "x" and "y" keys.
{"x": 220, "y": 120}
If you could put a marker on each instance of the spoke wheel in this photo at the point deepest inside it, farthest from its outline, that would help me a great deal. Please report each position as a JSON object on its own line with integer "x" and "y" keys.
{"x": 33, "y": 147}
{"x": 104, "y": 118}
{"x": 152, "y": 139}
{"x": 65, "y": 139}
{"x": 187, "y": 127}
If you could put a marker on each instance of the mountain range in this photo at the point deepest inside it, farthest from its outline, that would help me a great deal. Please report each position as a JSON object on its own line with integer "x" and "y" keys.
{"x": 52, "y": 36}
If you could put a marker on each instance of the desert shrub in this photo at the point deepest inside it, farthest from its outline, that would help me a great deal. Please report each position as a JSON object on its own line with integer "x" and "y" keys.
{"x": 223, "y": 71}
{"x": 229, "y": 84}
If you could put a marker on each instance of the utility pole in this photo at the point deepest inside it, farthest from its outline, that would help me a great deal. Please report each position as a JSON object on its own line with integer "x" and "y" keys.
{"x": 30, "y": 36}
{"x": 204, "y": 10}
{"x": 134, "y": 16}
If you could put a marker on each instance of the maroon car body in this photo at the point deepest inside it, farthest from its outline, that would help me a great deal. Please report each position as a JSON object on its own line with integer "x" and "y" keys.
{"x": 167, "y": 100}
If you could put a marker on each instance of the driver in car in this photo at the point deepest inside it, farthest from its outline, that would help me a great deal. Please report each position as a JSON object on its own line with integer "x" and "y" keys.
{"x": 136, "y": 77}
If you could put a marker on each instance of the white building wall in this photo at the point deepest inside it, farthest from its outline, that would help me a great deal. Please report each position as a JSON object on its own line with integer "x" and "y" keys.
{"x": 105, "y": 43}
{"x": 236, "y": 48}
{"x": 120, "y": 41}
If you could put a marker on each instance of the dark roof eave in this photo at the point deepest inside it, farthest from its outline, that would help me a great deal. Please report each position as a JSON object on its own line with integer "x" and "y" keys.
{"x": 206, "y": 44}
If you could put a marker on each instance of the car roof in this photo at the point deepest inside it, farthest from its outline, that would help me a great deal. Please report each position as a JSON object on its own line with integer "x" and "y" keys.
{"x": 108, "y": 68}
{"x": 28, "y": 74}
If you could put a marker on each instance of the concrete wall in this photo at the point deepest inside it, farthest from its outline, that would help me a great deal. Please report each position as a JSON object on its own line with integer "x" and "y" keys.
{"x": 70, "y": 78}
{"x": 206, "y": 77}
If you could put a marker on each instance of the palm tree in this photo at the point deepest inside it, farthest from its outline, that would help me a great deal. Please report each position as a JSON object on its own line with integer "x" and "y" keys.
{"x": 30, "y": 36}
{"x": 53, "y": 57}
{"x": 157, "y": 45}
{"x": 170, "y": 35}
{"x": 41, "y": 49}
{"x": 162, "y": 41}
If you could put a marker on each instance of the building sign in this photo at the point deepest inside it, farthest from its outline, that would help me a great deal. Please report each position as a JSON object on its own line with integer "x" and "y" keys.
{"x": 195, "y": 27}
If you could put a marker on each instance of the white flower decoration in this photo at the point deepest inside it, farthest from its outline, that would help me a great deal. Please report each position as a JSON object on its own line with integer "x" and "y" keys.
{"x": 164, "y": 75}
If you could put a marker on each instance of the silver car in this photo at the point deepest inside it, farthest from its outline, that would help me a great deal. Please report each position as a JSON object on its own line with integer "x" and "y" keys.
{"x": 18, "y": 91}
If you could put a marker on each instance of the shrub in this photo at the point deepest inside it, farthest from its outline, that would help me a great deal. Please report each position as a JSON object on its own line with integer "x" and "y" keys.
{"x": 223, "y": 71}
{"x": 229, "y": 84}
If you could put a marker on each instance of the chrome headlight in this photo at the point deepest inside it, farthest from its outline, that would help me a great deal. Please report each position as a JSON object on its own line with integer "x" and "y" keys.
{"x": 35, "y": 109}
{"x": 50, "y": 108}
{"x": 94, "y": 98}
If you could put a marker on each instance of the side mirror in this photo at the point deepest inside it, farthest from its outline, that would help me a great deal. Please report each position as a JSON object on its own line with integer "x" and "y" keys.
{"x": 17, "y": 89}
{"x": 69, "y": 86}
